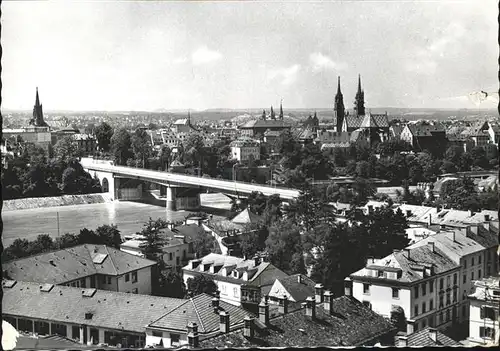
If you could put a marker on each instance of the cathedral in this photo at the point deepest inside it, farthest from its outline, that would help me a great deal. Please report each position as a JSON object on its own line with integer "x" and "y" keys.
{"x": 37, "y": 120}
{"x": 359, "y": 125}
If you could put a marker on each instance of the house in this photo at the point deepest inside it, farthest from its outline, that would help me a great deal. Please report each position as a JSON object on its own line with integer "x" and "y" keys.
{"x": 205, "y": 312}
{"x": 245, "y": 149}
{"x": 422, "y": 136}
{"x": 239, "y": 281}
{"x": 86, "y": 315}
{"x": 260, "y": 126}
{"x": 484, "y": 312}
{"x": 270, "y": 136}
{"x": 482, "y": 135}
{"x": 427, "y": 337}
{"x": 321, "y": 321}
{"x": 85, "y": 143}
{"x": 422, "y": 280}
{"x": 85, "y": 266}
{"x": 296, "y": 288}
{"x": 183, "y": 125}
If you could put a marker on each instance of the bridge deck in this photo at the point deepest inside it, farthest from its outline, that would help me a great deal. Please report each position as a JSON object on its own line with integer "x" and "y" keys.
{"x": 192, "y": 181}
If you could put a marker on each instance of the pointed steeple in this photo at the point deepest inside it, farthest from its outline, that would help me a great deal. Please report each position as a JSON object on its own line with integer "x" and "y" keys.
{"x": 263, "y": 115}
{"x": 359, "y": 101}
{"x": 37, "y": 119}
{"x": 273, "y": 116}
{"x": 37, "y": 99}
{"x": 338, "y": 108}
{"x": 189, "y": 118}
{"x": 281, "y": 110}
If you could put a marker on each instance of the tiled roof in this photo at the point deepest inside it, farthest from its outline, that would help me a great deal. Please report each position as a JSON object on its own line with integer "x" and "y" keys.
{"x": 74, "y": 263}
{"x": 334, "y": 145}
{"x": 110, "y": 309}
{"x": 332, "y": 137}
{"x": 51, "y": 342}
{"x": 351, "y": 324}
{"x": 422, "y": 339}
{"x": 354, "y": 121}
{"x": 244, "y": 141}
{"x": 396, "y": 130}
{"x": 307, "y": 133}
{"x": 375, "y": 121}
{"x": 224, "y": 225}
{"x": 298, "y": 290}
{"x": 486, "y": 238}
{"x": 246, "y": 216}
{"x": 421, "y": 130}
{"x": 356, "y": 135}
{"x": 200, "y": 311}
{"x": 268, "y": 123}
{"x": 182, "y": 121}
{"x": 275, "y": 133}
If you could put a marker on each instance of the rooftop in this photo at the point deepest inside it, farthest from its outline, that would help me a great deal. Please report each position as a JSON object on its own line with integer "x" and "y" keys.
{"x": 299, "y": 290}
{"x": 109, "y": 309}
{"x": 350, "y": 324}
{"x": 423, "y": 338}
{"x": 73, "y": 263}
{"x": 268, "y": 123}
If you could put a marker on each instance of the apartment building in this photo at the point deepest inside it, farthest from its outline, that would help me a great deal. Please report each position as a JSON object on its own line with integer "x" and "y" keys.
{"x": 239, "y": 281}
{"x": 245, "y": 149}
{"x": 484, "y": 323}
{"x": 423, "y": 281}
{"x": 85, "y": 266}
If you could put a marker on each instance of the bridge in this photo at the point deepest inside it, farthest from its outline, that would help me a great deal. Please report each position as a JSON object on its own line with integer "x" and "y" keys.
{"x": 181, "y": 190}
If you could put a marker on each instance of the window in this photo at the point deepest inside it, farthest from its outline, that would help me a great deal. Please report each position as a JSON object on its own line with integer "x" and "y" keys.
{"x": 440, "y": 318}
{"x": 454, "y": 295}
{"x": 235, "y": 292}
{"x": 380, "y": 274}
{"x": 441, "y": 283}
{"x": 431, "y": 286}
{"x": 448, "y": 281}
{"x": 367, "y": 304}
{"x": 424, "y": 289}
{"x": 441, "y": 298}
{"x": 471, "y": 275}
{"x": 415, "y": 310}
{"x": 423, "y": 307}
{"x": 465, "y": 263}
{"x": 472, "y": 261}
{"x": 395, "y": 293}
{"x": 479, "y": 259}
{"x": 448, "y": 299}
{"x": 109, "y": 280}
{"x": 423, "y": 323}
{"x": 415, "y": 290}
{"x": 465, "y": 278}
{"x": 127, "y": 277}
{"x": 157, "y": 334}
{"x": 487, "y": 313}
{"x": 135, "y": 291}
{"x": 366, "y": 288}
{"x": 431, "y": 304}
{"x": 134, "y": 277}
{"x": 479, "y": 274}
{"x": 455, "y": 279}
{"x": 448, "y": 315}
{"x": 174, "y": 339}
{"x": 170, "y": 256}
{"x": 485, "y": 332}
{"x": 82, "y": 283}
{"x": 464, "y": 310}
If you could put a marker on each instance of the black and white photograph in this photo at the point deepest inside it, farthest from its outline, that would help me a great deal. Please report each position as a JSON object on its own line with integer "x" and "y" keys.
{"x": 249, "y": 174}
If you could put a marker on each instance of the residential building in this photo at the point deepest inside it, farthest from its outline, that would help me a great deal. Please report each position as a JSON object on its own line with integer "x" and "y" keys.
{"x": 296, "y": 288}
{"x": 46, "y": 342}
{"x": 85, "y": 143}
{"x": 423, "y": 281}
{"x": 83, "y": 314}
{"x": 245, "y": 149}
{"x": 85, "y": 266}
{"x": 183, "y": 125}
{"x": 321, "y": 321}
{"x": 239, "y": 281}
{"x": 208, "y": 314}
{"x": 427, "y": 337}
{"x": 260, "y": 126}
{"x": 484, "y": 312}
{"x": 427, "y": 136}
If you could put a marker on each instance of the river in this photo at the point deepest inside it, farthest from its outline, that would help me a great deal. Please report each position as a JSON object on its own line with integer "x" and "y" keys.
{"x": 128, "y": 216}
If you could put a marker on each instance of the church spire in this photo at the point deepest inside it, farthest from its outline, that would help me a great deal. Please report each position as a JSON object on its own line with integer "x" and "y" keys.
{"x": 37, "y": 119}
{"x": 359, "y": 102}
{"x": 189, "y": 118}
{"x": 281, "y": 110}
{"x": 338, "y": 108}
{"x": 37, "y": 99}
{"x": 273, "y": 116}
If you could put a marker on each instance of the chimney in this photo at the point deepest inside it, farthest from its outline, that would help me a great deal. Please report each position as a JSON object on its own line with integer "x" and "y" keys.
{"x": 283, "y": 304}
{"x": 215, "y": 304}
{"x": 193, "y": 338}
{"x": 370, "y": 209}
{"x": 224, "y": 322}
{"x": 471, "y": 213}
{"x": 318, "y": 288}
{"x": 264, "y": 312}
{"x": 328, "y": 302}
{"x": 311, "y": 307}
{"x": 433, "y": 334}
{"x": 299, "y": 278}
{"x": 347, "y": 287}
{"x": 486, "y": 217}
{"x": 431, "y": 244}
{"x": 429, "y": 220}
{"x": 402, "y": 341}
{"x": 410, "y": 327}
{"x": 256, "y": 260}
{"x": 248, "y": 329}
{"x": 408, "y": 213}
{"x": 407, "y": 250}
{"x": 217, "y": 294}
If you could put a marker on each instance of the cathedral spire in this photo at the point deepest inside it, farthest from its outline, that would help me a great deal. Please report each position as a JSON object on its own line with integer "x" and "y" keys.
{"x": 37, "y": 99}
{"x": 273, "y": 116}
{"x": 359, "y": 101}
{"x": 338, "y": 108}
{"x": 339, "y": 92}
{"x": 281, "y": 110}
{"x": 359, "y": 83}
{"x": 189, "y": 118}
{"x": 37, "y": 119}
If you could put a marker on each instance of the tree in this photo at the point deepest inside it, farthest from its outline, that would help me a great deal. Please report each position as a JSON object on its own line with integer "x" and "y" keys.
{"x": 104, "y": 133}
{"x": 152, "y": 247}
{"x": 171, "y": 285}
{"x": 201, "y": 284}
{"x": 461, "y": 194}
{"x": 42, "y": 243}
{"x": 87, "y": 236}
{"x": 121, "y": 146}
{"x": 398, "y": 318}
{"x": 193, "y": 146}
{"x": 284, "y": 246}
{"x": 66, "y": 240}
{"x": 18, "y": 249}
{"x": 109, "y": 235}
{"x": 253, "y": 239}
{"x": 165, "y": 153}
{"x": 66, "y": 149}
{"x": 204, "y": 243}
{"x": 141, "y": 146}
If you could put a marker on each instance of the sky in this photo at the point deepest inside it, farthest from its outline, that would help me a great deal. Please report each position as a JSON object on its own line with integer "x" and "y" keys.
{"x": 126, "y": 55}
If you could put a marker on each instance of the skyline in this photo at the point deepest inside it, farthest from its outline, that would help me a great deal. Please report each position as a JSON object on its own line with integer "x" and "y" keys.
{"x": 127, "y": 56}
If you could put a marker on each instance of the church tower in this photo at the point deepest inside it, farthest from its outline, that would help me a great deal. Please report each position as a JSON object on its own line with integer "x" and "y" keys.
{"x": 281, "y": 110}
{"x": 359, "y": 101}
{"x": 338, "y": 108}
{"x": 37, "y": 119}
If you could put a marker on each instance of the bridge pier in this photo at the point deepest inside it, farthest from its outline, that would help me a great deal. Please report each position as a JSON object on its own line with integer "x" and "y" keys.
{"x": 171, "y": 198}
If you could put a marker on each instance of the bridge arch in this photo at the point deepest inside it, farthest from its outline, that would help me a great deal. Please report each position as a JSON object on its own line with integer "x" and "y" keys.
{"x": 105, "y": 185}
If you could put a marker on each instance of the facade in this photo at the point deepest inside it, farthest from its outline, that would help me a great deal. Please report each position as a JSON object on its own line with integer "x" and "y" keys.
{"x": 296, "y": 288}
{"x": 259, "y": 127}
{"x": 87, "y": 315}
{"x": 423, "y": 281}
{"x": 86, "y": 143}
{"x": 245, "y": 149}
{"x": 484, "y": 312}
{"x": 183, "y": 125}
{"x": 85, "y": 266}
{"x": 421, "y": 137}
{"x": 239, "y": 281}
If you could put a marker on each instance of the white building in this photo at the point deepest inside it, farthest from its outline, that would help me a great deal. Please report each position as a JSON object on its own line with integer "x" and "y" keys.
{"x": 239, "y": 281}
{"x": 245, "y": 149}
{"x": 484, "y": 312}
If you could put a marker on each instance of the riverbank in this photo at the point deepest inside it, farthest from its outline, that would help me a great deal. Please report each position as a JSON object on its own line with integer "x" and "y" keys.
{"x": 55, "y": 201}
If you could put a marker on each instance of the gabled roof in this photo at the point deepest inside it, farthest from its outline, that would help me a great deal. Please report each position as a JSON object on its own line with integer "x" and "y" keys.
{"x": 49, "y": 342}
{"x": 58, "y": 267}
{"x": 200, "y": 311}
{"x": 375, "y": 121}
{"x": 425, "y": 130}
{"x": 268, "y": 123}
{"x": 110, "y": 309}
{"x": 422, "y": 338}
{"x": 246, "y": 216}
{"x": 298, "y": 290}
{"x": 353, "y": 121}
{"x": 183, "y": 121}
{"x": 351, "y": 324}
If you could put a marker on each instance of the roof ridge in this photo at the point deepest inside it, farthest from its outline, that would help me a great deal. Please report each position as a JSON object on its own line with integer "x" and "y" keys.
{"x": 166, "y": 314}
{"x": 197, "y": 313}
{"x": 111, "y": 258}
